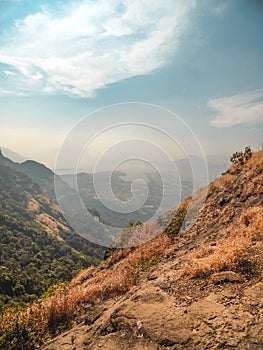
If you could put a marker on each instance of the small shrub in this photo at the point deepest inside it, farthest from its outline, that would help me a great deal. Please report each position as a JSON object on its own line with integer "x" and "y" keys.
{"x": 145, "y": 262}
{"x": 241, "y": 157}
{"x": 237, "y": 157}
{"x": 176, "y": 224}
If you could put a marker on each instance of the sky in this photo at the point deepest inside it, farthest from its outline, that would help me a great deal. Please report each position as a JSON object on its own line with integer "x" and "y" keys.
{"x": 61, "y": 61}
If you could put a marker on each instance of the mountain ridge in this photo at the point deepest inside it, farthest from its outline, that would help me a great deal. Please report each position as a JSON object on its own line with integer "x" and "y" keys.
{"x": 39, "y": 173}
{"x": 14, "y": 156}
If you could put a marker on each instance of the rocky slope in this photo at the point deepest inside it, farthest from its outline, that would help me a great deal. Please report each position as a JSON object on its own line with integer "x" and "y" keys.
{"x": 194, "y": 288}
{"x": 206, "y": 292}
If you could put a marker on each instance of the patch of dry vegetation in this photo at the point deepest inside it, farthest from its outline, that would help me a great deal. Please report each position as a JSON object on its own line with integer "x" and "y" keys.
{"x": 33, "y": 205}
{"x": 47, "y": 222}
{"x": 229, "y": 252}
{"x": 30, "y": 327}
{"x": 121, "y": 276}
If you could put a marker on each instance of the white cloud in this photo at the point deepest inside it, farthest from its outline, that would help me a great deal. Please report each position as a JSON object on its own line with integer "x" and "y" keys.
{"x": 238, "y": 109}
{"x": 92, "y": 44}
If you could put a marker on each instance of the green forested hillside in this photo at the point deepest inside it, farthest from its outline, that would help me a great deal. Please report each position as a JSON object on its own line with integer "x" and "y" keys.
{"x": 38, "y": 249}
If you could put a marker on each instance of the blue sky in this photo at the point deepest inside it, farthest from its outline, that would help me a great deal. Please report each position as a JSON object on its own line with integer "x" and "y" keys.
{"x": 200, "y": 59}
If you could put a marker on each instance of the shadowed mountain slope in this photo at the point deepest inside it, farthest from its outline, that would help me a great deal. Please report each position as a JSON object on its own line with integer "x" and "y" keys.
{"x": 39, "y": 174}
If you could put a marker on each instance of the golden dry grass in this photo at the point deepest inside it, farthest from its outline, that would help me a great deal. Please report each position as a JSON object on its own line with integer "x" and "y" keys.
{"x": 228, "y": 252}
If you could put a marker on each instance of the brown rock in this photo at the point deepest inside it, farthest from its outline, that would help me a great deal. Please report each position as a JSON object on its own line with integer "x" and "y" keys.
{"x": 226, "y": 276}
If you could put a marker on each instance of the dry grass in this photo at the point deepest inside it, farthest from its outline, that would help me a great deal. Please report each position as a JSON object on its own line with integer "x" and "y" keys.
{"x": 43, "y": 319}
{"x": 120, "y": 277}
{"x": 229, "y": 252}
{"x": 82, "y": 276}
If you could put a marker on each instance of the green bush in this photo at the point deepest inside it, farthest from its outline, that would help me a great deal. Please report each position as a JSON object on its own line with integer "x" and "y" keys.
{"x": 146, "y": 262}
{"x": 176, "y": 224}
{"x": 241, "y": 157}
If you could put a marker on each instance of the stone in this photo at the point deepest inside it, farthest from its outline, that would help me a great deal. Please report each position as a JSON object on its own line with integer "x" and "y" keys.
{"x": 226, "y": 276}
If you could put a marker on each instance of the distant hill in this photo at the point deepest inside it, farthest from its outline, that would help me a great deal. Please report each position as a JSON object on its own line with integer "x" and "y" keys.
{"x": 39, "y": 173}
{"x": 122, "y": 191}
{"x": 121, "y": 187}
{"x": 44, "y": 178}
{"x": 186, "y": 172}
{"x": 15, "y": 157}
{"x": 38, "y": 248}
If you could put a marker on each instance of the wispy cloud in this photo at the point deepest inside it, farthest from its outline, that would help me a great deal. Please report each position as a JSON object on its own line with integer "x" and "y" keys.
{"x": 91, "y": 44}
{"x": 238, "y": 109}
{"x": 221, "y": 8}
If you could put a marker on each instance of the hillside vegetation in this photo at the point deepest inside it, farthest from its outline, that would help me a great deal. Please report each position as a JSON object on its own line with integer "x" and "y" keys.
{"x": 38, "y": 249}
{"x": 190, "y": 287}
